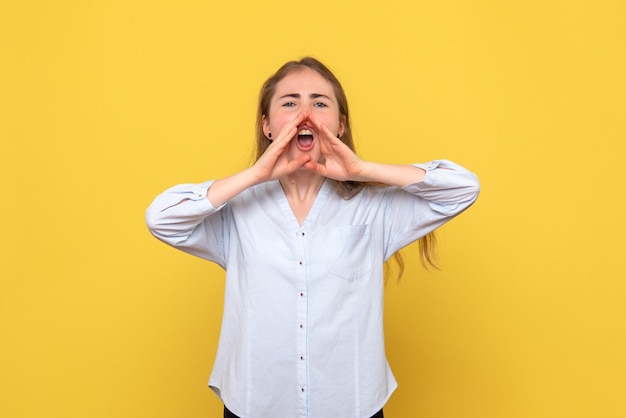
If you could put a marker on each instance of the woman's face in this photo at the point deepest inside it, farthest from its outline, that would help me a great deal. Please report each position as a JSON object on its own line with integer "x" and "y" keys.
{"x": 304, "y": 91}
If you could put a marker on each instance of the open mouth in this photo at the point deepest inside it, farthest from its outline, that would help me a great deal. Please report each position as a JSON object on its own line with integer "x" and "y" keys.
{"x": 304, "y": 140}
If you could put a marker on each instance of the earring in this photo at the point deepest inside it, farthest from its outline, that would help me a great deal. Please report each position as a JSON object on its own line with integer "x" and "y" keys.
{"x": 269, "y": 135}
{"x": 338, "y": 136}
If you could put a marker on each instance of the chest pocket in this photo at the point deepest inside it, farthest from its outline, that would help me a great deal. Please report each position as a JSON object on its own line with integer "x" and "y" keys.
{"x": 350, "y": 251}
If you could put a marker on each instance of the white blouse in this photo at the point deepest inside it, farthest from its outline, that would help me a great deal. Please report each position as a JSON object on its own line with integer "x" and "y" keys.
{"x": 302, "y": 330}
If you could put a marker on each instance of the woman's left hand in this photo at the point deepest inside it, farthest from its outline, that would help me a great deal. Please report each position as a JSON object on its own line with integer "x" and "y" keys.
{"x": 339, "y": 162}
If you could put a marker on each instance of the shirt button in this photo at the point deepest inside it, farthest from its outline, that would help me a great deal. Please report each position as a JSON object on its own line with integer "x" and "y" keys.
{"x": 301, "y": 326}
{"x": 300, "y": 262}
{"x": 303, "y": 234}
{"x": 301, "y": 389}
{"x": 301, "y": 358}
{"x": 301, "y": 294}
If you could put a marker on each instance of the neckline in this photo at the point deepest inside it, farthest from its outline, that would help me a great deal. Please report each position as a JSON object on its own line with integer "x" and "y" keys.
{"x": 320, "y": 199}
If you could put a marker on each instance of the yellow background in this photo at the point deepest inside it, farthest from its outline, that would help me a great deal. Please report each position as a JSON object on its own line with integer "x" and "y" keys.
{"x": 106, "y": 103}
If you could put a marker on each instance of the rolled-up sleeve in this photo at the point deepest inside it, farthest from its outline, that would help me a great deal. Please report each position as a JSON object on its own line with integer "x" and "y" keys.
{"x": 413, "y": 211}
{"x": 183, "y": 217}
{"x": 448, "y": 187}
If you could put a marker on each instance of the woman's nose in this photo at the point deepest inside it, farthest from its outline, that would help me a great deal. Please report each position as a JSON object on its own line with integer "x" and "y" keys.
{"x": 306, "y": 113}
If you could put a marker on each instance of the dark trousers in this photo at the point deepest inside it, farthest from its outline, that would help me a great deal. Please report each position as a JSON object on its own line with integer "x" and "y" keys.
{"x": 228, "y": 414}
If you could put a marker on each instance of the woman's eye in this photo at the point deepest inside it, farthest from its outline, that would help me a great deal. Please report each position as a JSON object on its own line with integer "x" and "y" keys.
{"x": 320, "y": 104}
{"x": 289, "y": 104}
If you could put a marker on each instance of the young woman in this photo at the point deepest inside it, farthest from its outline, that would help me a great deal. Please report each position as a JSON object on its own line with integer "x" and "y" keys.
{"x": 303, "y": 235}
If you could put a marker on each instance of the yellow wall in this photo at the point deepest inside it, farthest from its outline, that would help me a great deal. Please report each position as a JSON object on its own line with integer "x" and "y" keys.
{"x": 106, "y": 103}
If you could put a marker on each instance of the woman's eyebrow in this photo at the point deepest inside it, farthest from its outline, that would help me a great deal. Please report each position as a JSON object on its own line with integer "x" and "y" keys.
{"x": 318, "y": 95}
{"x": 298, "y": 95}
{"x": 290, "y": 95}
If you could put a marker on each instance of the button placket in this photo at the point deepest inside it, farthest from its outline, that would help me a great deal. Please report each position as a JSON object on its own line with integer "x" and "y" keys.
{"x": 302, "y": 319}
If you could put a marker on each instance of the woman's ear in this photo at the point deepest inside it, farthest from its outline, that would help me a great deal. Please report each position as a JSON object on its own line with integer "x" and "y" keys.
{"x": 342, "y": 127}
{"x": 266, "y": 126}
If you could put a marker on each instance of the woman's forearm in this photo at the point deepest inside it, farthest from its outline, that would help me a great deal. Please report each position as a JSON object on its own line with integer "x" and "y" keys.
{"x": 224, "y": 189}
{"x": 391, "y": 174}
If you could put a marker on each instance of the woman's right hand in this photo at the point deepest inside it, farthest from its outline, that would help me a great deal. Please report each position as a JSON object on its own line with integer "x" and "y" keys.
{"x": 274, "y": 163}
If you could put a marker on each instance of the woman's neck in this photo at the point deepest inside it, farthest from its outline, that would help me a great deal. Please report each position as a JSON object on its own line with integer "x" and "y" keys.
{"x": 302, "y": 185}
{"x": 301, "y": 189}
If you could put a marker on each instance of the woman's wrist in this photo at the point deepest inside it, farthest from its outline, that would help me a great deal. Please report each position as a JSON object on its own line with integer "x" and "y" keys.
{"x": 367, "y": 172}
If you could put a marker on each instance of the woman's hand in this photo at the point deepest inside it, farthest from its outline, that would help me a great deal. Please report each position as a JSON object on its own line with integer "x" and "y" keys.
{"x": 274, "y": 163}
{"x": 339, "y": 162}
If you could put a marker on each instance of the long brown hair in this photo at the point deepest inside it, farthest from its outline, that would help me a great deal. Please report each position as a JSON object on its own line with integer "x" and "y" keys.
{"x": 347, "y": 189}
